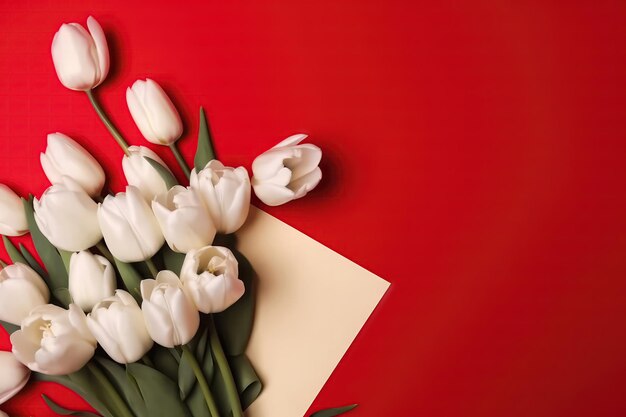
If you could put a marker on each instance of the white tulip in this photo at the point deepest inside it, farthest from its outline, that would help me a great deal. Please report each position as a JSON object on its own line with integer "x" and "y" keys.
{"x": 117, "y": 324}
{"x": 141, "y": 174}
{"x": 66, "y": 158}
{"x": 54, "y": 341}
{"x": 184, "y": 220}
{"x": 153, "y": 112}
{"x": 225, "y": 192}
{"x": 21, "y": 290}
{"x": 91, "y": 279}
{"x": 81, "y": 58}
{"x": 130, "y": 230}
{"x": 171, "y": 317}
{"x": 287, "y": 171}
{"x": 67, "y": 217}
{"x": 12, "y": 215}
{"x": 210, "y": 277}
{"x": 14, "y": 376}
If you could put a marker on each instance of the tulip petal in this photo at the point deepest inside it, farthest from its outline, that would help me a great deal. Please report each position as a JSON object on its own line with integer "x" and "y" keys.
{"x": 14, "y": 376}
{"x": 292, "y": 140}
{"x": 74, "y": 57}
{"x": 271, "y": 194}
{"x": 101, "y": 46}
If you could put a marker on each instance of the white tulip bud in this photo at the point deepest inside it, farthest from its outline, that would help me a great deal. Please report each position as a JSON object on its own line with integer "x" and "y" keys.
{"x": 67, "y": 217}
{"x": 287, "y": 171}
{"x": 81, "y": 58}
{"x": 141, "y": 174}
{"x": 54, "y": 341}
{"x": 210, "y": 277}
{"x": 12, "y": 215}
{"x": 225, "y": 192}
{"x": 130, "y": 230}
{"x": 66, "y": 158}
{"x": 153, "y": 112}
{"x": 184, "y": 220}
{"x": 14, "y": 376}
{"x": 91, "y": 279}
{"x": 21, "y": 290}
{"x": 118, "y": 325}
{"x": 171, "y": 317}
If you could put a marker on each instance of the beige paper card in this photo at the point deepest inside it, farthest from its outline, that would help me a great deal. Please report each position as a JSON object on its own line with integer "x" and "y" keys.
{"x": 311, "y": 304}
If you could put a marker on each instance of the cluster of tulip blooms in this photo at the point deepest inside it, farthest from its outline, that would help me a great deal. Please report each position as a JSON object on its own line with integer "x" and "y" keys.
{"x": 131, "y": 272}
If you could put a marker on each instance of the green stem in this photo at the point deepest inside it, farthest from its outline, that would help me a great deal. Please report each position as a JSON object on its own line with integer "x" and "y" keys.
{"x": 204, "y": 385}
{"x": 2, "y": 264}
{"x": 179, "y": 158}
{"x": 107, "y": 122}
{"x": 152, "y": 267}
{"x": 109, "y": 391}
{"x": 227, "y": 375}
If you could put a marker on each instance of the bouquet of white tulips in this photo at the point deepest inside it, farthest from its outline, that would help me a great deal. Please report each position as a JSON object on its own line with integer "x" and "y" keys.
{"x": 139, "y": 301}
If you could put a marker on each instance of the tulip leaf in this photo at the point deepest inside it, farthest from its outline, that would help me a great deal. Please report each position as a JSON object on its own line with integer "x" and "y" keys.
{"x": 80, "y": 382}
{"x": 63, "y": 295}
{"x": 9, "y": 327}
{"x": 197, "y": 404}
{"x": 246, "y": 379}
{"x": 234, "y": 325}
{"x": 173, "y": 260}
{"x": 125, "y": 386}
{"x": 33, "y": 262}
{"x": 65, "y": 411}
{"x": 57, "y": 274}
{"x": 218, "y": 389}
{"x": 204, "y": 151}
{"x": 204, "y": 355}
{"x": 332, "y": 412}
{"x": 164, "y": 361}
{"x": 66, "y": 258}
{"x": 186, "y": 377}
{"x": 14, "y": 254}
{"x": 131, "y": 279}
{"x": 165, "y": 173}
{"x": 158, "y": 391}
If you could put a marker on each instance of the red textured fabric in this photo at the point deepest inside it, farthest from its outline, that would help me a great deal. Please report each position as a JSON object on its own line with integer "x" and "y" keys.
{"x": 474, "y": 156}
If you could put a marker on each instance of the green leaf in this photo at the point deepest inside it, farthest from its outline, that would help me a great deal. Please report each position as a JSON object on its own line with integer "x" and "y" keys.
{"x": 14, "y": 254}
{"x": 331, "y": 412}
{"x": 9, "y": 327}
{"x": 186, "y": 377}
{"x": 234, "y": 325}
{"x": 165, "y": 173}
{"x": 246, "y": 379}
{"x": 158, "y": 391}
{"x": 196, "y": 403}
{"x": 65, "y": 411}
{"x": 131, "y": 279}
{"x": 164, "y": 362}
{"x": 33, "y": 262}
{"x": 81, "y": 383}
{"x": 125, "y": 386}
{"x": 173, "y": 260}
{"x": 66, "y": 256}
{"x": 63, "y": 295}
{"x": 47, "y": 252}
{"x": 204, "y": 151}
{"x": 204, "y": 355}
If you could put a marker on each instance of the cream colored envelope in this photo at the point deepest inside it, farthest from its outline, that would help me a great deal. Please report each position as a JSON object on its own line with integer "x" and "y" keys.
{"x": 311, "y": 304}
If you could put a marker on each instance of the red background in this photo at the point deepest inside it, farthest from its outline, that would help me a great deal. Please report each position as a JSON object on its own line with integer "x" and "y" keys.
{"x": 474, "y": 156}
